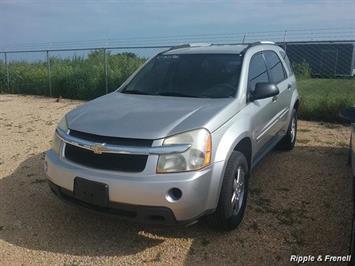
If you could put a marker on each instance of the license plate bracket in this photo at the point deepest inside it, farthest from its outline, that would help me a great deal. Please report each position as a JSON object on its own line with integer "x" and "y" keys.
{"x": 92, "y": 192}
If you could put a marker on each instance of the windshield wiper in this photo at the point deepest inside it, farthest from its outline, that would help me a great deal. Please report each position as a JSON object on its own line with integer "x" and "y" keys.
{"x": 136, "y": 92}
{"x": 178, "y": 94}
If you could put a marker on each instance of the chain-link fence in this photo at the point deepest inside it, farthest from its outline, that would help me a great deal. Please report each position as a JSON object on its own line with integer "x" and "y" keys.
{"x": 323, "y": 59}
{"x": 76, "y": 74}
{"x": 88, "y": 73}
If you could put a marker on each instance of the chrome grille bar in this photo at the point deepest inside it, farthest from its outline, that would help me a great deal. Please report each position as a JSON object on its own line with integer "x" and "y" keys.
{"x": 120, "y": 149}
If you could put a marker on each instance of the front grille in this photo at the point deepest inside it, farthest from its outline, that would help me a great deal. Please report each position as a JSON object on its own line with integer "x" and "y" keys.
{"x": 111, "y": 140}
{"x": 107, "y": 161}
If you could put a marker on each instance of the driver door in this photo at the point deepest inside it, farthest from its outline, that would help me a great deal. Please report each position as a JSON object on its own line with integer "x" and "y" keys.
{"x": 263, "y": 112}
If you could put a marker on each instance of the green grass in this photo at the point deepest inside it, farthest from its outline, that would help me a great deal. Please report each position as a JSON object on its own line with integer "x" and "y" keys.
{"x": 322, "y": 99}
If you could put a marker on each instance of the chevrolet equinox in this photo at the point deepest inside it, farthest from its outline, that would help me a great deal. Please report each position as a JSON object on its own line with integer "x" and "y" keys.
{"x": 178, "y": 139}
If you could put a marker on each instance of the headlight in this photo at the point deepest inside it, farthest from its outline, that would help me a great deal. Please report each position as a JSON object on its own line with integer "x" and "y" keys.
{"x": 56, "y": 144}
{"x": 63, "y": 125}
{"x": 195, "y": 158}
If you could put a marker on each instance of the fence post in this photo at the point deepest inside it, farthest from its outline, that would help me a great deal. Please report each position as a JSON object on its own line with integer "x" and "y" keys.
{"x": 49, "y": 74}
{"x": 245, "y": 35}
{"x": 7, "y": 73}
{"x": 106, "y": 70}
{"x": 284, "y": 41}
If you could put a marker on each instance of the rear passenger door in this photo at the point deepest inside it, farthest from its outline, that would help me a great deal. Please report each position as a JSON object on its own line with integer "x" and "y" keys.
{"x": 262, "y": 112}
{"x": 278, "y": 76}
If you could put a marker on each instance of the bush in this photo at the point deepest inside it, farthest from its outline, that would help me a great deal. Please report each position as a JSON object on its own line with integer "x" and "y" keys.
{"x": 302, "y": 70}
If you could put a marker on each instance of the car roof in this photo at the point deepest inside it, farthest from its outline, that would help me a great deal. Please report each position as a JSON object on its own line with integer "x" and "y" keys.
{"x": 207, "y": 49}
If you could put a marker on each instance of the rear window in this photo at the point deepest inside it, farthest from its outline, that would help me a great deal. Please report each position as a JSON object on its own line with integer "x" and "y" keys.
{"x": 189, "y": 75}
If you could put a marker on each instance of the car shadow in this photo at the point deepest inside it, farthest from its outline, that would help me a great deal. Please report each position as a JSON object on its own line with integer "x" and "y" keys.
{"x": 298, "y": 202}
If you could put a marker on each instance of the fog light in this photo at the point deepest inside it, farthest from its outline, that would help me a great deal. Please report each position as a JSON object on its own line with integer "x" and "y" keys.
{"x": 174, "y": 194}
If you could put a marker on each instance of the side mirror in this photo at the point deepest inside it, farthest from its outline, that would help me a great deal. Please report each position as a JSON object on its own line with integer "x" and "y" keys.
{"x": 348, "y": 114}
{"x": 264, "y": 90}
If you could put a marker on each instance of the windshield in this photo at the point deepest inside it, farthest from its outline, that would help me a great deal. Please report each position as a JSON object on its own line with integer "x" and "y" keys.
{"x": 188, "y": 75}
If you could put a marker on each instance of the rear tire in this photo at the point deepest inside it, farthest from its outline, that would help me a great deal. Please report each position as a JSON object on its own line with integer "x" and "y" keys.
{"x": 289, "y": 140}
{"x": 234, "y": 193}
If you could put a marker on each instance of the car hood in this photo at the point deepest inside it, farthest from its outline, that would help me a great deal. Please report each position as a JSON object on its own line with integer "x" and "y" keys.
{"x": 147, "y": 117}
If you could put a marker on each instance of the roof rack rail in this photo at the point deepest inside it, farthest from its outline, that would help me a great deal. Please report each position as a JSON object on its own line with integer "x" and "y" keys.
{"x": 266, "y": 42}
{"x": 200, "y": 44}
{"x": 187, "y": 45}
{"x": 258, "y": 43}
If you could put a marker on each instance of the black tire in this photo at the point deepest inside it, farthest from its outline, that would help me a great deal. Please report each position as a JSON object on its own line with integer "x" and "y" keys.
{"x": 289, "y": 140}
{"x": 228, "y": 215}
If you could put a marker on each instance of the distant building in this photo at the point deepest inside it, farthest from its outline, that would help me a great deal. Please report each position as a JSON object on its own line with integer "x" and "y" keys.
{"x": 325, "y": 58}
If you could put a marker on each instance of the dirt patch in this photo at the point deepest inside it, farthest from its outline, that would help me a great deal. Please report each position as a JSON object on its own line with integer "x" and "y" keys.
{"x": 299, "y": 203}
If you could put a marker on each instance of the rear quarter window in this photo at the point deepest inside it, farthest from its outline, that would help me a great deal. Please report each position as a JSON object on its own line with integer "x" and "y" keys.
{"x": 287, "y": 61}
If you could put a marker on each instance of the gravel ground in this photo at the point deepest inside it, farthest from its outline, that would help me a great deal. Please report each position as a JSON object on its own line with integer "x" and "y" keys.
{"x": 299, "y": 203}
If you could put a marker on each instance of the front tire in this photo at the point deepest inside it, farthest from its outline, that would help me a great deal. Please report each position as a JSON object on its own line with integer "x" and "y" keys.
{"x": 289, "y": 140}
{"x": 234, "y": 193}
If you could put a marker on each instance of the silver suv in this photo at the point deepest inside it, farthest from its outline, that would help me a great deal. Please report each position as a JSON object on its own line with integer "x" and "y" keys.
{"x": 178, "y": 140}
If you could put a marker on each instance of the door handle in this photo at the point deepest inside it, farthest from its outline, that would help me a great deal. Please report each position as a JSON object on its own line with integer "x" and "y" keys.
{"x": 289, "y": 86}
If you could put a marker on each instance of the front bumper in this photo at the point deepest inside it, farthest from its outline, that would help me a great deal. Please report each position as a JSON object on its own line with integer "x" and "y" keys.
{"x": 143, "y": 196}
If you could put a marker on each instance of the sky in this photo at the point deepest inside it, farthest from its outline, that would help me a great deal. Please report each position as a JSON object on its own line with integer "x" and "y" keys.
{"x": 31, "y": 24}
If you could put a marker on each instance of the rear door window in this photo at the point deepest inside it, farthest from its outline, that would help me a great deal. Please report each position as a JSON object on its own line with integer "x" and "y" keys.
{"x": 277, "y": 70}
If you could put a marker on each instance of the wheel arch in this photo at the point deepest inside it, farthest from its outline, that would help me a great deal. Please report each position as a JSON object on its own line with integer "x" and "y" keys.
{"x": 245, "y": 147}
{"x": 296, "y": 105}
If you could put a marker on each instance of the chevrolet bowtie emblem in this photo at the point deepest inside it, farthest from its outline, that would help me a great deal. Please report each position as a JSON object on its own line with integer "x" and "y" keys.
{"x": 98, "y": 148}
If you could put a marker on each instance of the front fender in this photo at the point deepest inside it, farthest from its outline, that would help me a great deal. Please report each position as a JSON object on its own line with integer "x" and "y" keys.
{"x": 224, "y": 140}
